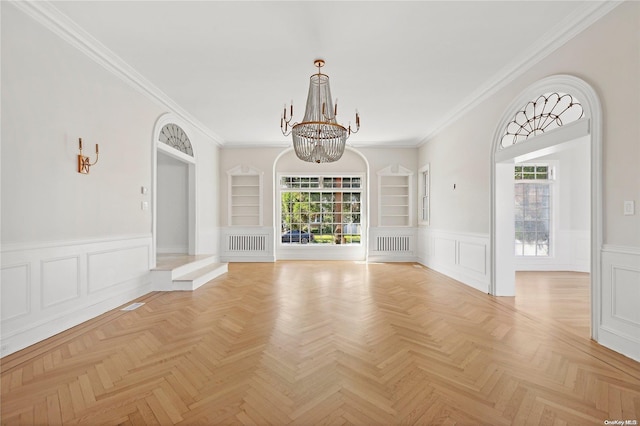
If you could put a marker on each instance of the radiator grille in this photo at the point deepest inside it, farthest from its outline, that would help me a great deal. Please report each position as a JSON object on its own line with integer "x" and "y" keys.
{"x": 393, "y": 243}
{"x": 247, "y": 243}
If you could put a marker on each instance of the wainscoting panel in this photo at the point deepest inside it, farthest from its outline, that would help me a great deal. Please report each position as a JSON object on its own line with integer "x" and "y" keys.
{"x": 247, "y": 244}
{"x": 444, "y": 249}
{"x": 115, "y": 266}
{"x": 473, "y": 256}
{"x": 624, "y": 282}
{"x": 59, "y": 280}
{"x": 462, "y": 256}
{"x": 50, "y": 287}
{"x": 620, "y": 322}
{"x": 392, "y": 244}
{"x": 15, "y": 292}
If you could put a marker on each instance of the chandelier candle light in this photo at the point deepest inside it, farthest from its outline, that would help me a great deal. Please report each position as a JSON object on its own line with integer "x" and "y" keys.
{"x": 319, "y": 138}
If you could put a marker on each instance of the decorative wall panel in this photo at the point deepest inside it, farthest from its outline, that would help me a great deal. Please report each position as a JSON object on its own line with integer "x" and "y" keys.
{"x": 619, "y": 327}
{"x": 45, "y": 287}
{"x": 461, "y": 256}
{"x": 473, "y": 256}
{"x": 15, "y": 292}
{"x": 59, "y": 280}
{"x": 115, "y": 266}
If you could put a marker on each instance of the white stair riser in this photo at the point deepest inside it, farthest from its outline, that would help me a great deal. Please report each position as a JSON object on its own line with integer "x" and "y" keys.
{"x": 190, "y": 267}
{"x": 197, "y": 282}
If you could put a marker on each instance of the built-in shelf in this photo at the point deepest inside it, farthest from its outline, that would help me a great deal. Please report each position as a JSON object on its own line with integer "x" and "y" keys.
{"x": 394, "y": 196}
{"x": 245, "y": 196}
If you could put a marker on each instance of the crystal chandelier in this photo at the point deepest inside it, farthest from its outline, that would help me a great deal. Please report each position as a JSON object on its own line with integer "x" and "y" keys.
{"x": 319, "y": 138}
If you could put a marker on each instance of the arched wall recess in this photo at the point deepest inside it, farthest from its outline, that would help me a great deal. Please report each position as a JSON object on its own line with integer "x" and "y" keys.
{"x": 170, "y": 138}
{"x": 586, "y": 120}
{"x": 282, "y": 164}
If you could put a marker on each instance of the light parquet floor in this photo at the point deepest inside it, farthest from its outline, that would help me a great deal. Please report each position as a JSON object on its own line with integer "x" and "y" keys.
{"x": 560, "y": 296}
{"x": 320, "y": 343}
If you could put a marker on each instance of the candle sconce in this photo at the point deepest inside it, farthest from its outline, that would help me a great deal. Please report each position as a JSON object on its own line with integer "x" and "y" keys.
{"x": 84, "y": 163}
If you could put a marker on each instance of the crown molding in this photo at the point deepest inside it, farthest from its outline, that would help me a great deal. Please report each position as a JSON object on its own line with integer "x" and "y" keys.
{"x": 53, "y": 19}
{"x": 551, "y": 41}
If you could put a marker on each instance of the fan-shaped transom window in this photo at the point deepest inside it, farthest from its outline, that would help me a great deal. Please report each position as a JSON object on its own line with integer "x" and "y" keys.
{"x": 540, "y": 115}
{"x": 175, "y": 137}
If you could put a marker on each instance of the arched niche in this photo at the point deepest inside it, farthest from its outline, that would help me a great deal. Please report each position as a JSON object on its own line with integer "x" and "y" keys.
{"x": 352, "y": 162}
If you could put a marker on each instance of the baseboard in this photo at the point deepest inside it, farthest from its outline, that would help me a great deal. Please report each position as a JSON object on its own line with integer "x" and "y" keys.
{"x": 172, "y": 250}
{"x": 458, "y": 275}
{"x": 621, "y": 343}
{"x": 248, "y": 259}
{"x": 550, "y": 267}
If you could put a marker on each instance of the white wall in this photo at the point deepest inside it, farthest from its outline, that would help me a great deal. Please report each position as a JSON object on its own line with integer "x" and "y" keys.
{"x": 263, "y": 159}
{"x": 208, "y": 192}
{"x": 381, "y": 158}
{"x": 172, "y": 230}
{"x": 75, "y": 246}
{"x": 606, "y": 56}
{"x": 570, "y": 209}
{"x": 51, "y": 96}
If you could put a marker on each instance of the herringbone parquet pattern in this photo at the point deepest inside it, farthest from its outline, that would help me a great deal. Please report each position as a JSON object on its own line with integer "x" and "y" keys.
{"x": 319, "y": 343}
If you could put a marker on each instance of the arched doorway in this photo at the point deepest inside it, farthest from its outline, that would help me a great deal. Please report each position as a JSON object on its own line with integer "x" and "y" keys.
{"x": 173, "y": 192}
{"x": 535, "y": 143}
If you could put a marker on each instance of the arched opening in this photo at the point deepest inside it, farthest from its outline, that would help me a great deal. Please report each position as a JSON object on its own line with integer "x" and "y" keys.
{"x": 531, "y": 145}
{"x": 173, "y": 192}
{"x": 336, "y": 224}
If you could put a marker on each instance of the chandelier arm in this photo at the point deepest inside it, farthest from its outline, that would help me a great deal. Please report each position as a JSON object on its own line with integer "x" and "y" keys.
{"x": 289, "y": 130}
{"x": 286, "y": 126}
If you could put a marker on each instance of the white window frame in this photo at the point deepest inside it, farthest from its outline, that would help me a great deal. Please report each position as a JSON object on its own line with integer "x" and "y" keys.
{"x": 363, "y": 213}
{"x": 553, "y": 203}
{"x": 424, "y": 195}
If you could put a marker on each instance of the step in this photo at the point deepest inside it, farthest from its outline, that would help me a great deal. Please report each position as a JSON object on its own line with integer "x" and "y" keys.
{"x": 187, "y": 268}
{"x": 194, "y": 279}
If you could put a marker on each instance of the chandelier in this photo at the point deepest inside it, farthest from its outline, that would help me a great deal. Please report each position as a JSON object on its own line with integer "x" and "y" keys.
{"x": 319, "y": 138}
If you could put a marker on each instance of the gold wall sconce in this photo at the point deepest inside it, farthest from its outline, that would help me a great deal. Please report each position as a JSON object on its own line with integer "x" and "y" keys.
{"x": 83, "y": 162}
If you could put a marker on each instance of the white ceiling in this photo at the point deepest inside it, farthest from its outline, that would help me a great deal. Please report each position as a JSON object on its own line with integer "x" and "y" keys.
{"x": 408, "y": 67}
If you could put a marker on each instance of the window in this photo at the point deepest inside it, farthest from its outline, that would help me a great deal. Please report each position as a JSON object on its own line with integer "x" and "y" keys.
{"x": 320, "y": 210}
{"x": 547, "y": 112}
{"x": 532, "y": 209}
{"x": 424, "y": 187}
{"x": 174, "y": 136}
